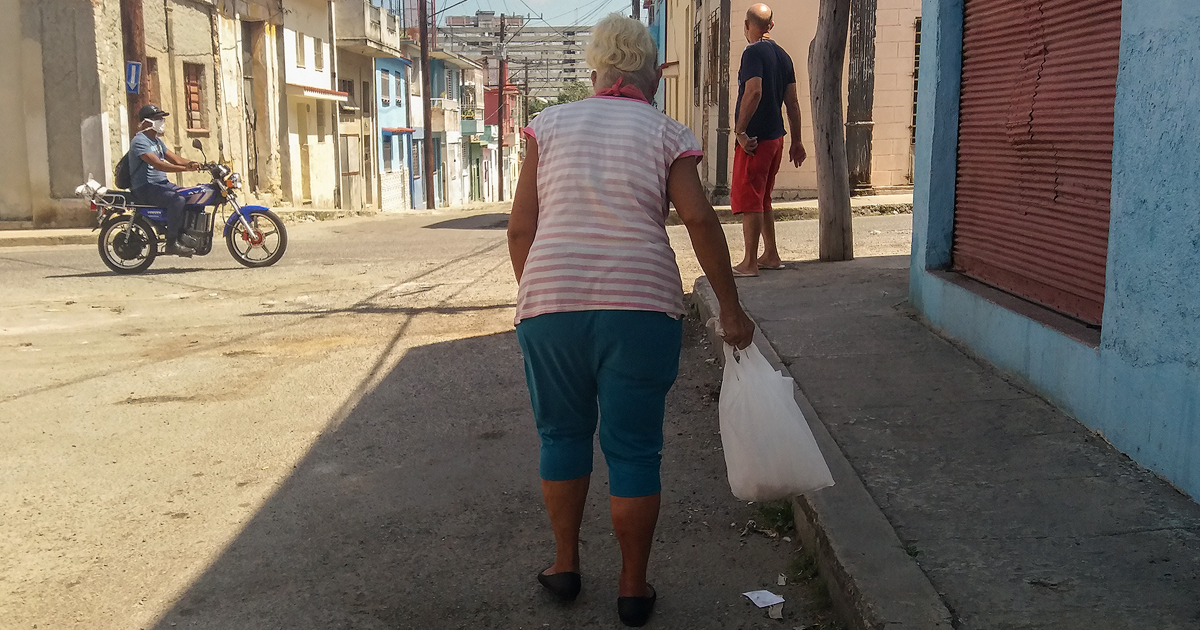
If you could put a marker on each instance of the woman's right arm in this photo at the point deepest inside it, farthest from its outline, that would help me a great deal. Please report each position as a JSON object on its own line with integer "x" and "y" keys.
{"x": 708, "y": 239}
{"x": 522, "y": 221}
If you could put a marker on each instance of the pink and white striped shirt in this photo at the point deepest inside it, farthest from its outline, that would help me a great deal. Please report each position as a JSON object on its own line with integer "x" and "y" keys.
{"x": 601, "y": 240}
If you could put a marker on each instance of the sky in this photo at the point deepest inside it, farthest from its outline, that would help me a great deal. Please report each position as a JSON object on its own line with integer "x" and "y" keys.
{"x": 556, "y": 12}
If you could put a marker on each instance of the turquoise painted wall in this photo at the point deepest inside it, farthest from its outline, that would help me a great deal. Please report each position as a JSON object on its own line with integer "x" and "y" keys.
{"x": 1141, "y": 387}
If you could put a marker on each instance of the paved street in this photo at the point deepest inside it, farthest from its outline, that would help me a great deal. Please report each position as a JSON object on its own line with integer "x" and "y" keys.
{"x": 341, "y": 441}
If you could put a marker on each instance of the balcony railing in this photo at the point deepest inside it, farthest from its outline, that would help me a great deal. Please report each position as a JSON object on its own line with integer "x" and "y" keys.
{"x": 446, "y": 115}
{"x": 367, "y": 29}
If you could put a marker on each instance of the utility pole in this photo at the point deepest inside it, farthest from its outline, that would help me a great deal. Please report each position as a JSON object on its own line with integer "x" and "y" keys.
{"x": 501, "y": 98}
{"x": 133, "y": 32}
{"x": 426, "y": 105}
{"x": 637, "y": 10}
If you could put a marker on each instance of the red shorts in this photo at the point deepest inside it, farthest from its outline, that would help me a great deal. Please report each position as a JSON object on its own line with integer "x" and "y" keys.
{"x": 754, "y": 176}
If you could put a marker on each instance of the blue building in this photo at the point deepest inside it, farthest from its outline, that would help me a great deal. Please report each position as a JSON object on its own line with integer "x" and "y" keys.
{"x": 395, "y": 142}
{"x": 1056, "y": 227}
{"x": 658, "y": 31}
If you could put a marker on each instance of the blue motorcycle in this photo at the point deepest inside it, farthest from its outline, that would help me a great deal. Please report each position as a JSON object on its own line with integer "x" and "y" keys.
{"x": 133, "y": 235}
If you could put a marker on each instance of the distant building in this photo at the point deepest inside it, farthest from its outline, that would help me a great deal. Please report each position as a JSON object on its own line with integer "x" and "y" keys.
{"x": 542, "y": 57}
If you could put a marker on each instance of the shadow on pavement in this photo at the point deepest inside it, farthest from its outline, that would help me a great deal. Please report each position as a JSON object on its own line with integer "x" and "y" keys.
{"x": 422, "y": 509}
{"x": 493, "y": 221}
{"x": 375, "y": 309}
{"x": 418, "y": 507}
{"x": 168, "y": 271}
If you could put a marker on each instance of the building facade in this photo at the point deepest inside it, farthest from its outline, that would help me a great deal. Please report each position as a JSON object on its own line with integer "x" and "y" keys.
{"x": 311, "y": 101}
{"x": 287, "y": 92}
{"x": 400, "y": 186}
{"x": 1055, "y": 229}
{"x": 702, "y": 42}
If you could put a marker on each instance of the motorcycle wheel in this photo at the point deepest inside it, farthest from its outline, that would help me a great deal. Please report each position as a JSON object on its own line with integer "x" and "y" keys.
{"x": 126, "y": 249}
{"x": 260, "y": 246}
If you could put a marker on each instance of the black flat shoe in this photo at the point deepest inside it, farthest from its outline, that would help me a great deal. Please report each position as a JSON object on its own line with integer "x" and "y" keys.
{"x": 565, "y": 585}
{"x": 635, "y": 611}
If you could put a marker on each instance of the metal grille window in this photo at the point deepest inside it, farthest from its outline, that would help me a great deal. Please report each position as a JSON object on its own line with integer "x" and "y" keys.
{"x": 1035, "y": 149}
{"x": 385, "y": 87}
{"x": 697, "y": 43}
{"x": 916, "y": 74}
{"x": 387, "y": 153}
{"x": 318, "y": 54}
{"x": 193, "y": 95}
{"x": 714, "y": 59}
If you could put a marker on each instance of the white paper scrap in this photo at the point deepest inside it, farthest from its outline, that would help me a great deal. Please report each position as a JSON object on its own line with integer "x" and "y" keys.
{"x": 775, "y": 612}
{"x": 762, "y": 599}
{"x": 782, "y": 581}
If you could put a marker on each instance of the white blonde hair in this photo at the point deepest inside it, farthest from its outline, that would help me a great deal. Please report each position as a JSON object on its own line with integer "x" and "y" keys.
{"x": 622, "y": 48}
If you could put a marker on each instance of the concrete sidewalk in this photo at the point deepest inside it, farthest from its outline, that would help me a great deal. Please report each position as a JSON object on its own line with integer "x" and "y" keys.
{"x": 1013, "y": 514}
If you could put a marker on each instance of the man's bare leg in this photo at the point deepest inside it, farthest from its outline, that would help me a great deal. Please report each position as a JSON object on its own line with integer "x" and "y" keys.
{"x": 770, "y": 256}
{"x": 752, "y": 227}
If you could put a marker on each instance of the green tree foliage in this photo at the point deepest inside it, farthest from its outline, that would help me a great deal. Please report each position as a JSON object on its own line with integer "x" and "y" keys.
{"x": 574, "y": 91}
{"x": 536, "y": 105}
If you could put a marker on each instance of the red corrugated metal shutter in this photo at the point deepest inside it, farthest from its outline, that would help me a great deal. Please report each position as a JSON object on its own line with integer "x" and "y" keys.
{"x": 1035, "y": 149}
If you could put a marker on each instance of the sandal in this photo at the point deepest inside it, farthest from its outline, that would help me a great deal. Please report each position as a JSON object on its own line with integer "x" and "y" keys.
{"x": 635, "y": 611}
{"x": 565, "y": 586}
{"x": 737, "y": 273}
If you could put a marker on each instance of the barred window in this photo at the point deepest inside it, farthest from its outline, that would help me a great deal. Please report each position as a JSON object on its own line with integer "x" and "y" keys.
{"x": 193, "y": 90}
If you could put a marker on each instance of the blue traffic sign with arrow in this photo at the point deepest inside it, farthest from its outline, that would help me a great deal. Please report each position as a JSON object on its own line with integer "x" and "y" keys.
{"x": 133, "y": 77}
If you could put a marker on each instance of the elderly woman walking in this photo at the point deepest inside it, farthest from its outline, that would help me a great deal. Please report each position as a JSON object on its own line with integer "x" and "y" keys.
{"x": 600, "y": 301}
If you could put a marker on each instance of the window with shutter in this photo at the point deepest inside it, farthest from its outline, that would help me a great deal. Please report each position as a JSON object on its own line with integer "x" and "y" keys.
{"x": 300, "y": 54}
{"x": 385, "y": 87}
{"x": 321, "y": 121}
{"x": 318, "y": 54}
{"x": 193, "y": 94}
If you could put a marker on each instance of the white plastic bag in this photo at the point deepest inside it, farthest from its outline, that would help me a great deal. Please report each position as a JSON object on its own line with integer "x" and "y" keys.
{"x": 770, "y": 451}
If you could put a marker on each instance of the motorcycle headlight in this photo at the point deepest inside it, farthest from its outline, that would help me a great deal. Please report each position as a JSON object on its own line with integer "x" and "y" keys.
{"x": 234, "y": 181}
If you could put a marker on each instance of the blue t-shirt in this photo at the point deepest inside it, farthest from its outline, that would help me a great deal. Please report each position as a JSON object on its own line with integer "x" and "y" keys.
{"x": 141, "y": 173}
{"x": 766, "y": 60}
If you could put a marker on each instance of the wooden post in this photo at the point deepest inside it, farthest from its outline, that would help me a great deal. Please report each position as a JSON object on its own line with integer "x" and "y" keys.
{"x": 860, "y": 101}
{"x": 133, "y": 31}
{"x": 826, "y": 56}
{"x": 426, "y": 106}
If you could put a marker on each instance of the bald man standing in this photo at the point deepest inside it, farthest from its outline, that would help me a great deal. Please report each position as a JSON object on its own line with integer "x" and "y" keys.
{"x": 766, "y": 82}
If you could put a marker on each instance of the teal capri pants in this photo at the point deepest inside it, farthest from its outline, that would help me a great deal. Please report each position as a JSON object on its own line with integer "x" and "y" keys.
{"x": 613, "y": 368}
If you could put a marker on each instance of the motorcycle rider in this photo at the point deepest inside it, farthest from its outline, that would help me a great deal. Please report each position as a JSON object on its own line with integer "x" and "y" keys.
{"x": 149, "y": 162}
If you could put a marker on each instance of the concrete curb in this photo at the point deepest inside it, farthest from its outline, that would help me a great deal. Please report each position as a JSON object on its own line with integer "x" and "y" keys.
{"x": 874, "y": 583}
{"x": 70, "y": 236}
{"x": 807, "y": 210}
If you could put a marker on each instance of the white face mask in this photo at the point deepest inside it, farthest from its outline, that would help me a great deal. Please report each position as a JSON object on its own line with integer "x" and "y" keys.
{"x": 159, "y": 125}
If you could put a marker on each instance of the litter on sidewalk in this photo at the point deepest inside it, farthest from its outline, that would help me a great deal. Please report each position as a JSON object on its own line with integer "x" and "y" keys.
{"x": 763, "y": 599}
